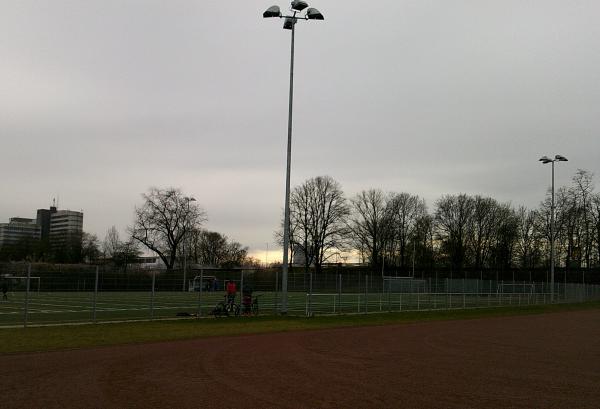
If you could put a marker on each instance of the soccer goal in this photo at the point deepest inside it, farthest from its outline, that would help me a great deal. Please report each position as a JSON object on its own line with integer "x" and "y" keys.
{"x": 515, "y": 288}
{"x": 321, "y": 302}
{"x": 19, "y": 283}
{"x": 404, "y": 285}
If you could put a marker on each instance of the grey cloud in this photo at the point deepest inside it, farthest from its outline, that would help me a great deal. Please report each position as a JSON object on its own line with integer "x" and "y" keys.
{"x": 100, "y": 100}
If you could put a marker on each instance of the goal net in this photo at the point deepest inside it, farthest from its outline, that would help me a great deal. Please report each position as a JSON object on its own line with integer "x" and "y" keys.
{"x": 19, "y": 283}
{"x": 404, "y": 285}
{"x": 515, "y": 288}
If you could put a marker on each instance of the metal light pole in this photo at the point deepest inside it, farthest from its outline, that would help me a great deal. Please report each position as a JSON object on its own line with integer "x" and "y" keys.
{"x": 188, "y": 200}
{"x": 545, "y": 160}
{"x": 297, "y": 6}
{"x": 267, "y": 257}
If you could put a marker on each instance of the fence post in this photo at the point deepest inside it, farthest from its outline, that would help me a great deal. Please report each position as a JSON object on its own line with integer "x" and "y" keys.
{"x": 276, "y": 291}
{"x": 380, "y": 295}
{"x": 152, "y": 295}
{"x": 241, "y": 285}
{"x": 389, "y": 295}
{"x": 310, "y": 289}
{"x": 200, "y": 293}
{"x": 26, "y": 308}
{"x": 366, "y": 293}
{"x": 95, "y": 295}
{"x": 340, "y": 294}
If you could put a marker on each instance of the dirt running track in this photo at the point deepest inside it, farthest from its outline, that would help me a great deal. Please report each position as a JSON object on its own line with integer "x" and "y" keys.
{"x": 541, "y": 361}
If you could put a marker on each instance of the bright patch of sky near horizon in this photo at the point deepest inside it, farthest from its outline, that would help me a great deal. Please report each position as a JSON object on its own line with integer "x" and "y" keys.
{"x": 101, "y": 99}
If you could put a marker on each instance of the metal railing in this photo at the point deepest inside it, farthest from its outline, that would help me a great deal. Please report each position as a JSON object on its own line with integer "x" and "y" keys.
{"x": 98, "y": 295}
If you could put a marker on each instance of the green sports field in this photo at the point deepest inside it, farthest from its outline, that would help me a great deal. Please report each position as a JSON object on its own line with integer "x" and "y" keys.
{"x": 78, "y": 307}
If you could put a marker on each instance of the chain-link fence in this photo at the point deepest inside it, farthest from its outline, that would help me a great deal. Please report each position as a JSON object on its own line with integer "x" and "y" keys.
{"x": 46, "y": 296}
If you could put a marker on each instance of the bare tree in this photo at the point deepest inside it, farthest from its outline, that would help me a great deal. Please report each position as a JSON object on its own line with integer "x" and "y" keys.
{"x": 163, "y": 220}
{"x": 527, "y": 247}
{"x": 506, "y": 235}
{"x": 452, "y": 218}
{"x": 543, "y": 221}
{"x": 213, "y": 248}
{"x": 89, "y": 247}
{"x": 595, "y": 217}
{"x": 369, "y": 223}
{"x": 111, "y": 243}
{"x": 318, "y": 212}
{"x": 403, "y": 210}
{"x": 301, "y": 223}
{"x": 583, "y": 194}
{"x": 482, "y": 228}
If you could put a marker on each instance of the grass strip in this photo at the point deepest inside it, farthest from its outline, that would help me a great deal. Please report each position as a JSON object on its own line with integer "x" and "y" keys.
{"x": 39, "y": 339}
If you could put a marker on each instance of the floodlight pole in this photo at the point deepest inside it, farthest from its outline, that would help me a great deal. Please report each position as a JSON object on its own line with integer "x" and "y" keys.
{"x": 544, "y": 160}
{"x": 286, "y": 221}
{"x": 297, "y": 6}
{"x": 187, "y": 200}
{"x": 552, "y": 240}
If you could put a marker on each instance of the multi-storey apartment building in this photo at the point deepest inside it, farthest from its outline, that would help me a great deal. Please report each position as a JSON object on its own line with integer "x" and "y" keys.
{"x": 66, "y": 228}
{"x": 60, "y": 232}
{"x": 17, "y": 230}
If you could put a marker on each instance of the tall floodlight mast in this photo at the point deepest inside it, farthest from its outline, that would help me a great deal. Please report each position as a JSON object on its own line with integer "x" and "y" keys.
{"x": 297, "y": 14}
{"x": 545, "y": 160}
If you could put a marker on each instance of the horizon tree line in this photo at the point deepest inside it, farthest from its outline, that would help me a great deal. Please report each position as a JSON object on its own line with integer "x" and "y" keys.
{"x": 396, "y": 230}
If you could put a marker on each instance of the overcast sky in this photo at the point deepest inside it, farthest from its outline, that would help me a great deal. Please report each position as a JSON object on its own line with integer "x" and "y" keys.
{"x": 100, "y": 100}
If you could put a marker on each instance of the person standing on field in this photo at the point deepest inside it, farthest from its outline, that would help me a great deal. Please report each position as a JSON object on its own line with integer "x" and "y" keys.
{"x": 231, "y": 291}
{"x": 4, "y": 291}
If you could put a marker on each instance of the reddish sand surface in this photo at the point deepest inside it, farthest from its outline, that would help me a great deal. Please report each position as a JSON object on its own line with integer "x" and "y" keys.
{"x": 538, "y": 361}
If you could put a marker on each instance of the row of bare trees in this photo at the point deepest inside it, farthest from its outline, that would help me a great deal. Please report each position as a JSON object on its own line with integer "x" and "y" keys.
{"x": 397, "y": 230}
{"x": 170, "y": 225}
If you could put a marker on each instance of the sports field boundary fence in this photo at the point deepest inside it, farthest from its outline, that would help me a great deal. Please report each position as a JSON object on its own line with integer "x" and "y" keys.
{"x": 94, "y": 295}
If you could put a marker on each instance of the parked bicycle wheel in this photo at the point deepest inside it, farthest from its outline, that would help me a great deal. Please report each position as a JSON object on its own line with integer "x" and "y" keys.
{"x": 220, "y": 309}
{"x": 236, "y": 310}
{"x": 233, "y": 309}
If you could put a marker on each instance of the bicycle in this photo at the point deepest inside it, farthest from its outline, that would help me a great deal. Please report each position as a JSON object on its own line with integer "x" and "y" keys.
{"x": 232, "y": 307}
{"x": 226, "y": 308}
{"x": 250, "y": 305}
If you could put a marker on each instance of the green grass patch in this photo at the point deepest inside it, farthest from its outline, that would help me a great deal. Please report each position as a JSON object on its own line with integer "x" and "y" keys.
{"x": 33, "y": 339}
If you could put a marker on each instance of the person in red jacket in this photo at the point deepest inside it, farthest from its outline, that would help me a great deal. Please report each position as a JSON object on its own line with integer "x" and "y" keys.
{"x": 231, "y": 291}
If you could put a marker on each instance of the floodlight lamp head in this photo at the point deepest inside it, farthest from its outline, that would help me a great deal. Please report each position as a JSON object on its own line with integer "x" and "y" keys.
{"x": 289, "y": 23}
{"x": 272, "y": 11}
{"x": 299, "y": 5}
{"x": 314, "y": 14}
{"x": 560, "y": 158}
{"x": 545, "y": 159}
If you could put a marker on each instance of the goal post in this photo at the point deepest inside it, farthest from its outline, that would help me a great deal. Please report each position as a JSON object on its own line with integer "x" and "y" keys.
{"x": 320, "y": 300}
{"x": 392, "y": 284}
{"x": 515, "y": 288}
{"x": 19, "y": 283}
